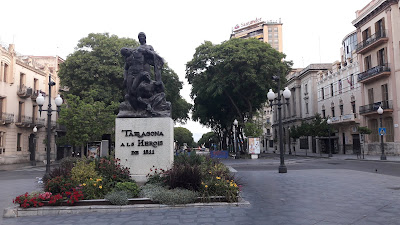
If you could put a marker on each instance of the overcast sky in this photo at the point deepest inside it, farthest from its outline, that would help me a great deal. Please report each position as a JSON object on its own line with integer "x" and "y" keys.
{"x": 312, "y": 29}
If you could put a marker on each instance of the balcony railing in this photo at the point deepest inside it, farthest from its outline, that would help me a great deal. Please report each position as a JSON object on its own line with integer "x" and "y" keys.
{"x": 35, "y": 94}
{"x": 383, "y": 69}
{"x": 6, "y": 118}
{"x": 387, "y": 104}
{"x": 39, "y": 122}
{"x": 23, "y": 91}
{"x": 375, "y": 38}
{"x": 24, "y": 121}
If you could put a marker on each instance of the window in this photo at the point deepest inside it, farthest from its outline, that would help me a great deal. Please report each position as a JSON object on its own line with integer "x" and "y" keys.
{"x": 351, "y": 81}
{"x": 269, "y": 29}
{"x": 5, "y": 74}
{"x": 35, "y": 85}
{"x": 367, "y": 63}
{"x": 381, "y": 55}
{"x": 275, "y": 29}
{"x": 333, "y": 111}
{"x": 1, "y": 109}
{"x": 19, "y": 141}
{"x": 322, "y": 93}
{"x": 353, "y": 107}
{"x": 2, "y": 138}
{"x": 268, "y": 120}
{"x": 270, "y": 41}
{"x": 34, "y": 114}
{"x": 276, "y": 40}
{"x": 268, "y": 131}
{"x": 20, "y": 110}
{"x": 323, "y": 113}
{"x": 388, "y": 124}
{"x": 373, "y": 125}
{"x": 270, "y": 35}
{"x": 21, "y": 80}
{"x": 380, "y": 28}
{"x": 276, "y": 35}
{"x": 341, "y": 109}
{"x": 385, "y": 95}
{"x": 366, "y": 34}
{"x": 370, "y": 95}
{"x": 332, "y": 89}
{"x": 306, "y": 107}
{"x": 340, "y": 86}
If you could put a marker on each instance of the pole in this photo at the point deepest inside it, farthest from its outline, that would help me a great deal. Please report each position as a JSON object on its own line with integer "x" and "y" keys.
{"x": 282, "y": 167}
{"x": 330, "y": 151}
{"x": 383, "y": 156}
{"x": 234, "y": 142}
{"x": 48, "y": 129}
{"x": 290, "y": 150}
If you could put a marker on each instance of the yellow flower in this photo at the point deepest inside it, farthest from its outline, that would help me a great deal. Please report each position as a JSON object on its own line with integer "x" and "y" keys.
{"x": 235, "y": 185}
{"x": 206, "y": 186}
{"x": 209, "y": 172}
{"x": 98, "y": 180}
{"x": 231, "y": 184}
{"x": 100, "y": 187}
{"x": 84, "y": 184}
{"x": 91, "y": 179}
{"x": 218, "y": 178}
{"x": 94, "y": 184}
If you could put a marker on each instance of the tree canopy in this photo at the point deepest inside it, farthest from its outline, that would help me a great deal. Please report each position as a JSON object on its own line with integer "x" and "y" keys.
{"x": 230, "y": 80}
{"x": 208, "y": 138}
{"x": 95, "y": 70}
{"x": 183, "y": 135}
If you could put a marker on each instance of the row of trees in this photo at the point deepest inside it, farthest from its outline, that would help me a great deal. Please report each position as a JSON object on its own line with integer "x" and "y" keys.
{"x": 93, "y": 75}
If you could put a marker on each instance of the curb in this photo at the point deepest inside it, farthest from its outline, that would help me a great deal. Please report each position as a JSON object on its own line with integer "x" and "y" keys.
{"x": 17, "y": 211}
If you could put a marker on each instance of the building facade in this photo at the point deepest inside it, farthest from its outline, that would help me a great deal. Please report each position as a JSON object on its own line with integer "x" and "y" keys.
{"x": 22, "y": 78}
{"x": 339, "y": 96}
{"x": 378, "y": 49}
{"x": 267, "y": 31}
{"x": 302, "y": 106}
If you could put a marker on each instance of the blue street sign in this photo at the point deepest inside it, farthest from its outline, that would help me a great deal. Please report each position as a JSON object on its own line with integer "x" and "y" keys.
{"x": 382, "y": 131}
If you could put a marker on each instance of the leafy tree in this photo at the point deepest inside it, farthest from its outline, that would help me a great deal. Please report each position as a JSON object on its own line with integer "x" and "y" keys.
{"x": 252, "y": 130}
{"x": 95, "y": 70}
{"x": 85, "y": 120}
{"x": 208, "y": 138}
{"x": 183, "y": 135}
{"x": 230, "y": 80}
{"x": 364, "y": 130}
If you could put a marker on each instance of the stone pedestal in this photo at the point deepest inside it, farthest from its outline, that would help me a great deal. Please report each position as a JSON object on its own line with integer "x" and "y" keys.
{"x": 141, "y": 143}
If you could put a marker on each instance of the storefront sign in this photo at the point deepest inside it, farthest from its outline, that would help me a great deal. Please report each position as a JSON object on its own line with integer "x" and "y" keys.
{"x": 249, "y": 23}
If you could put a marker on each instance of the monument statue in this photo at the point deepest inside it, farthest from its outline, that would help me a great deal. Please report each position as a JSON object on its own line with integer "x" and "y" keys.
{"x": 144, "y": 97}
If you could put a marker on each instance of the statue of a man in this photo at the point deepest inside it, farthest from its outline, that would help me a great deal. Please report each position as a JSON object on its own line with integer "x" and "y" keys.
{"x": 142, "y": 93}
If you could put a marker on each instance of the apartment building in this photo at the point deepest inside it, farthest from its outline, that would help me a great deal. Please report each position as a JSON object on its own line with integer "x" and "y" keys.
{"x": 302, "y": 106}
{"x": 378, "y": 49}
{"x": 22, "y": 78}
{"x": 339, "y": 96}
{"x": 267, "y": 31}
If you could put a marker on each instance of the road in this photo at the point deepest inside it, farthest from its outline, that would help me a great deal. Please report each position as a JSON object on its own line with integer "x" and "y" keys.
{"x": 314, "y": 191}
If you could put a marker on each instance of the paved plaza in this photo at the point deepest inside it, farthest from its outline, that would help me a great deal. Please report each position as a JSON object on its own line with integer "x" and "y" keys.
{"x": 309, "y": 196}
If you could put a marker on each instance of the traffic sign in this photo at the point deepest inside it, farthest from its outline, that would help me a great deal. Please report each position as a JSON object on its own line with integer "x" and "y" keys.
{"x": 382, "y": 131}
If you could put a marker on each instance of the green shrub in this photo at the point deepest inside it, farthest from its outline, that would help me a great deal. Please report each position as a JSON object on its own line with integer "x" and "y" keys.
{"x": 165, "y": 196}
{"x": 64, "y": 170}
{"x": 111, "y": 170}
{"x": 117, "y": 197}
{"x": 59, "y": 184}
{"x": 131, "y": 188}
{"x": 83, "y": 171}
{"x": 176, "y": 196}
{"x": 184, "y": 176}
{"x": 218, "y": 186}
{"x": 156, "y": 176}
{"x": 191, "y": 159}
{"x": 93, "y": 188}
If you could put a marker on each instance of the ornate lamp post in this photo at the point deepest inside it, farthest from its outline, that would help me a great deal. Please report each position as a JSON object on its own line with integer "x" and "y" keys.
{"x": 235, "y": 123}
{"x": 290, "y": 150}
{"x": 40, "y": 102}
{"x": 329, "y": 122}
{"x": 271, "y": 97}
{"x": 380, "y": 112}
{"x": 33, "y": 162}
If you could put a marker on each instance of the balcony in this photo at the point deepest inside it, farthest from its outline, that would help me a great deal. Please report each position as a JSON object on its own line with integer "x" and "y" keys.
{"x": 24, "y": 121}
{"x": 348, "y": 118}
{"x": 34, "y": 95}
{"x": 23, "y": 91}
{"x": 374, "y": 73}
{"x": 372, "y": 41}
{"x": 386, "y": 105}
{"x": 40, "y": 122}
{"x": 6, "y": 118}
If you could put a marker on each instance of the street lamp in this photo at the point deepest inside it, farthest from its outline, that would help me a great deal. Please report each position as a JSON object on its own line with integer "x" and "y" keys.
{"x": 271, "y": 97}
{"x": 33, "y": 152}
{"x": 329, "y": 122}
{"x": 380, "y": 112}
{"x": 290, "y": 150}
{"x": 40, "y": 102}
{"x": 235, "y": 123}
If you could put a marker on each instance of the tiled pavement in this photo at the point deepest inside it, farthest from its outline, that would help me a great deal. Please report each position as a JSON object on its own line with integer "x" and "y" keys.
{"x": 299, "y": 197}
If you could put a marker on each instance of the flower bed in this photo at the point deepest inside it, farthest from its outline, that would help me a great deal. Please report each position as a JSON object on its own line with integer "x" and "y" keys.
{"x": 103, "y": 182}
